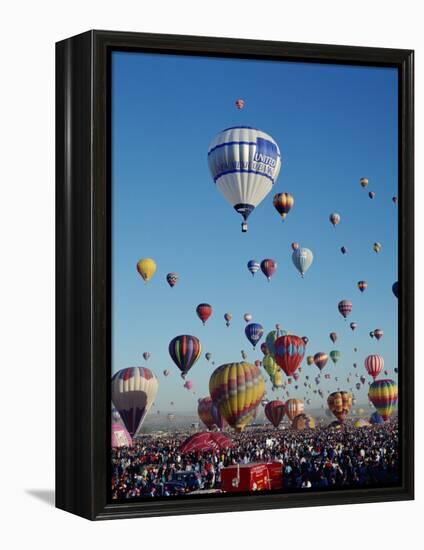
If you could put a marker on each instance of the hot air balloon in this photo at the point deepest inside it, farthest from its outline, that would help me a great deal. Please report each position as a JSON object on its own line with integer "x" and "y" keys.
{"x": 172, "y": 279}
{"x": 289, "y": 352}
{"x": 372, "y": 334}
{"x": 283, "y": 203}
{"x": 293, "y": 407}
{"x": 362, "y": 379}
{"x": 146, "y": 355}
{"x": 333, "y": 337}
{"x": 237, "y": 389}
{"x": 239, "y": 103}
{"x": 204, "y": 411}
{"x": 310, "y": 359}
{"x": 340, "y": 403}
{"x": 334, "y": 218}
{"x": 166, "y": 372}
{"x": 253, "y": 266}
{"x": 147, "y": 268}
{"x": 270, "y": 365}
{"x": 274, "y": 411}
{"x": 361, "y": 423}
{"x": 268, "y": 267}
{"x": 204, "y": 311}
{"x": 133, "y": 393}
{"x": 264, "y": 348}
{"x": 358, "y": 386}
{"x": 375, "y": 418}
{"x": 395, "y": 199}
{"x": 302, "y": 259}
{"x": 353, "y": 326}
{"x": 374, "y": 364}
{"x": 247, "y": 317}
{"x": 303, "y": 422}
{"x": 244, "y": 163}
{"x": 188, "y": 384}
{"x": 335, "y": 355}
{"x": 254, "y": 332}
{"x": 208, "y": 356}
{"x": 271, "y": 337}
{"x": 363, "y": 182}
{"x": 362, "y": 285}
{"x": 383, "y": 394}
{"x": 371, "y": 194}
{"x": 227, "y": 317}
{"x": 305, "y": 340}
{"x": 345, "y": 307}
{"x": 295, "y": 246}
{"x": 395, "y": 288}
{"x": 243, "y": 354}
{"x": 343, "y": 250}
{"x": 376, "y": 247}
{"x": 185, "y": 350}
{"x": 320, "y": 359}
{"x": 378, "y": 333}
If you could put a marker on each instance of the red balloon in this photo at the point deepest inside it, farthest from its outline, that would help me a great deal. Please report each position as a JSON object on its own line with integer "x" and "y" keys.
{"x": 289, "y": 352}
{"x": 268, "y": 267}
{"x": 204, "y": 311}
{"x": 274, "y": 411}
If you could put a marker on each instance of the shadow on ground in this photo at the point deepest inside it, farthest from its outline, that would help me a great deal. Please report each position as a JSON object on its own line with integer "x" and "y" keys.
{"x": 45, "y": 495}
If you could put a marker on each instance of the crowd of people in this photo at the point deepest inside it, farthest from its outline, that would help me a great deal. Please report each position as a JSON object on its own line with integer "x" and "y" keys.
{"x": 317, "y": 458}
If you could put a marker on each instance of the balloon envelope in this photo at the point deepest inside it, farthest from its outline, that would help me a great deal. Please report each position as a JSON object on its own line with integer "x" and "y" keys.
{"x": 302, "y": 259}
{"x": 274, "y": 411}
{"x": 133, "y": 393}
{"x": 383, "y": 394}
{"x": 237, "y": 389}
{"x": 254, "y": 332}
{"x": 185, "y": 350}
{"x": 289, "y": 352}
{"x": 303, "y": 422}
{"x": 340, "y": 403}
{"x": 146, "y": 268}
{"x": 244, "y": 163}
{"x": 374, "y": 364}
{"x": 293, "y": 407}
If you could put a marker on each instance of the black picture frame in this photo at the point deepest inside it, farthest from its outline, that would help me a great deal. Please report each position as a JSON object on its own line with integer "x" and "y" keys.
{"x": 83, "y": 269}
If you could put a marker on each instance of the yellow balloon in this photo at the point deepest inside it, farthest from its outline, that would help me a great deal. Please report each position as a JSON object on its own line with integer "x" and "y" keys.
{"x": 147, "y": 268}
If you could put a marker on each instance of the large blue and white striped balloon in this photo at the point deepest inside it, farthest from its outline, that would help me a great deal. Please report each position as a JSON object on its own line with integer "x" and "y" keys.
{"x": 244, "y": 163}
{"x": 302, "y": 259}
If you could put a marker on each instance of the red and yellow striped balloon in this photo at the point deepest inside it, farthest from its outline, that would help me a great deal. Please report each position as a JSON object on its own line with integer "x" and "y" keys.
{"x": 383, "y": 394}
{"x": 237, "y": 389}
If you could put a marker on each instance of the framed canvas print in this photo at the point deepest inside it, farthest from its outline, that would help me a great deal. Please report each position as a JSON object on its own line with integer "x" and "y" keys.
{"x": 234, "y": 275}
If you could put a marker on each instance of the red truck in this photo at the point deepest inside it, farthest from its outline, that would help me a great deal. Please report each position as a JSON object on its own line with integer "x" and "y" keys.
{"x": 256, "y": 476}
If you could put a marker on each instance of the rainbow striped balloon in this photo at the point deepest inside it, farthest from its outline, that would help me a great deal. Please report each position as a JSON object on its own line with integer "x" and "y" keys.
{"x": 383, "y": 394}
{"x": 237, "y": 389}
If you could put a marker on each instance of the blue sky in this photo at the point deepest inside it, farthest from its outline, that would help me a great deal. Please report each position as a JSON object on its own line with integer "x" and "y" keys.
{"x": 333, "y": 124}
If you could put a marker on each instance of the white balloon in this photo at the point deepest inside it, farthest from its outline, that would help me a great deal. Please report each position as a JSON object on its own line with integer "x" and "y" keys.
{"x": 244, "y": 163}
{"x": 302, "y": 259}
